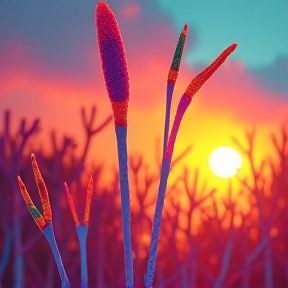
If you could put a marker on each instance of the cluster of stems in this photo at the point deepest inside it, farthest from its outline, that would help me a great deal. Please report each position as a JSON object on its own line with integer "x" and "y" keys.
{"x": 114, "y": 66}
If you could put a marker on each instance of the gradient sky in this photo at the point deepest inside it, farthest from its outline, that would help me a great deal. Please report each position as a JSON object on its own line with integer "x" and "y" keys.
{"x": 49, "y": 68}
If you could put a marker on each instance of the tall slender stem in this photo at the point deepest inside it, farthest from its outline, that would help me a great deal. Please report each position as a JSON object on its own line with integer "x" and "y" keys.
{"x": 170, "y": 89}
{"x": 166, "y": 163}
{"x": 121, "y": 134}
{"x": 149, "y": 277}
{"x": 49, "y": 233}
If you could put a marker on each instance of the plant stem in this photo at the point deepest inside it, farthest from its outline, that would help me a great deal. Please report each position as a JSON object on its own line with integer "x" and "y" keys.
{"x": 121, "y": 134}
{"x": 82, "y": 236}
{"x": 49, "y": 233}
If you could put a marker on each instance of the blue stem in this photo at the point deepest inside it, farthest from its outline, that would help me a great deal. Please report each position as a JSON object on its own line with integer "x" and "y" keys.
{"x": 157, "y": 222}
{"x": 169, "y": 93}
{"x": 121, "y": 134}
{"x": 82, "y": 236}
{"x": 49, "y": 233}
{"x": 6, "y": 250}
{"x": 18, "y": 268}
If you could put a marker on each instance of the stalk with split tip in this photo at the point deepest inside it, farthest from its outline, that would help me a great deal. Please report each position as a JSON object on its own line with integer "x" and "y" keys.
{"x": 185, "y": 100}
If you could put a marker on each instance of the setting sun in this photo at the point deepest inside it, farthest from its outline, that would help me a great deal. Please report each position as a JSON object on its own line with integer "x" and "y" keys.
{"x": 225, "y": 162}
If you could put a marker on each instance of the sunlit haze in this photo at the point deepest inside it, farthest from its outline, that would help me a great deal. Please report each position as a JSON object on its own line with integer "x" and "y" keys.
{"x": 51, "y": 68}
{"x": 225, "y": 162}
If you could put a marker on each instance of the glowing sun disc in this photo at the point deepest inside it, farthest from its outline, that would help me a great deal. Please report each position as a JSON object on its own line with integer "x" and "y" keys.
{"x": 225, "y": 162}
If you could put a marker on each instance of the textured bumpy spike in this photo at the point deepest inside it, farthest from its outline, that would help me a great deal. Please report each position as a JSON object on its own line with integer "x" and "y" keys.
{"x": 172, "y": 77}
{"x": 71, "y": 204}
{"x": 174, "y": 69}
{"x": 44, "y": 223}
{"x": 203, "y": 76}
{"x": 115, "y": 71}
{"x": 186, "y": 98}
{"x": 47, "y": 214}
{"x": 88, "y": 201}
{"x": 31, "y": 207}
{"x": 114, "y": 64}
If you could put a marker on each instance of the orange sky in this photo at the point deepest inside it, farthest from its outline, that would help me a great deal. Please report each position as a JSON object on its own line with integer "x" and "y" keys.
{"x": 230, "y": 102}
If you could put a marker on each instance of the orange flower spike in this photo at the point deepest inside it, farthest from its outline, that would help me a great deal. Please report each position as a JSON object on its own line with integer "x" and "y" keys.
{"x": 42, "y": 190}
{"x": 203, "y": 76}
{"x": 31, "y": 207}
{"x": 88, "y": 201}
{"x": 71, "y": 204}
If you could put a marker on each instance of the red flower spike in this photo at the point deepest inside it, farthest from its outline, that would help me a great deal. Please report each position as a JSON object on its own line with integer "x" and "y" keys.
{"x": 203, "y": 76}
{"x": 120, "y": 110}
{"x": 71, "y": 204}
{"x": 113, "y": 59}
{"x": 88, "y": 201}
{"x": 87, "y": 206}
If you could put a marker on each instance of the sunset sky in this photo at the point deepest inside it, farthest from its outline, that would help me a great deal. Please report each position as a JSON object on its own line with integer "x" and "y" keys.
{"x": 50, "y": 67}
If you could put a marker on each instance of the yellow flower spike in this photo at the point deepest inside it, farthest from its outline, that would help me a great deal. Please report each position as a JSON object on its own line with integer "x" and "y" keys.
{"x": 42, "y": 190}
{"x": 40, "y": 221}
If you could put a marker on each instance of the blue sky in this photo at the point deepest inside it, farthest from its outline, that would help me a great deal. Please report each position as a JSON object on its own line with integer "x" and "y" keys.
{"x": 258, "y": 26}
